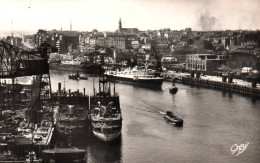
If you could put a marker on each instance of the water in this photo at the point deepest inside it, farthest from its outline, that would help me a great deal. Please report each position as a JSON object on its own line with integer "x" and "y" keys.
{"x": 213, "y": 122}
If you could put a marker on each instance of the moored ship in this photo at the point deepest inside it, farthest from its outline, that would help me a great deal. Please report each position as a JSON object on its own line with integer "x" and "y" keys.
{"x": 71, "y": 62}
{"x": 105, "y": 116}
{"x": 92, "y": 68}
{"x": 71, "y": 119}
{"x": 135, "y": 76}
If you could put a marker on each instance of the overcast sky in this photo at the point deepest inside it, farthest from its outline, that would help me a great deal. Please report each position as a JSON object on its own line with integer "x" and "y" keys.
{"x": 103, "y": 15}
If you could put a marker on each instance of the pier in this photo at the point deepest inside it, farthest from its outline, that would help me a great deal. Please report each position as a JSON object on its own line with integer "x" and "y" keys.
{"x": 233, "y": 85}
{"x": 26, "y": 117}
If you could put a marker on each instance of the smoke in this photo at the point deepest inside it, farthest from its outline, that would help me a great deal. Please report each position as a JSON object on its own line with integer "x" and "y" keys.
{"x": 206, "y": 21}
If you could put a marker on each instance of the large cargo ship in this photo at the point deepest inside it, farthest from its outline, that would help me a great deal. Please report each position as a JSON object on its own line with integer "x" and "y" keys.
{"x": 105, "y": 116}
{"x": 71, "y": 118}
{"x": 135, "y": 76}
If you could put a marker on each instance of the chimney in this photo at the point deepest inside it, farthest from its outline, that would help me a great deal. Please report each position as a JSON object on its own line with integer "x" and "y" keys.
{"x": 70, "y": 25}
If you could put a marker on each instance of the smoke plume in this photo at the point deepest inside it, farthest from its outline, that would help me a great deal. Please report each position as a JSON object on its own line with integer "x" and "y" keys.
{"x": 206, "y": 21}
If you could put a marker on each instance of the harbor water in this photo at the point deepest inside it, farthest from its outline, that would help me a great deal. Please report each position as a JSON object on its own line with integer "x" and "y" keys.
{"x": 216, "y": 123}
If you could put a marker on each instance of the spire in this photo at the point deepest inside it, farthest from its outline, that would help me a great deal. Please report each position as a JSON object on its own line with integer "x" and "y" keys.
{"x": 119, "y": 25}
{"x": 12, "y": 34}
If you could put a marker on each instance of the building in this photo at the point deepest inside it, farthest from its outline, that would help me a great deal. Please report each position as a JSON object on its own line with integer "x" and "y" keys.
{"x": 16, "y": 41}
{"x": 240, "y": 58}
{"x": 225, "y": 41}
{"x": 207, "y": 63}
{"x": 119, "y": 41}
{"x": 126, "y": 30}
{"x": 135, "y": 44}
{"x": 28, "y": 41}
{"x": 65, "y": 41}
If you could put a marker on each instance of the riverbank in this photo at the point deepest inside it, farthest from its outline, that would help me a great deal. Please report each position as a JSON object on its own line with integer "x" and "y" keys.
{"x": 237, "y": 85}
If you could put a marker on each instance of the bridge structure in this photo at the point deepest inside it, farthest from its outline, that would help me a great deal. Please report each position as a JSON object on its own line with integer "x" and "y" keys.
{"x": 24, "y": 76}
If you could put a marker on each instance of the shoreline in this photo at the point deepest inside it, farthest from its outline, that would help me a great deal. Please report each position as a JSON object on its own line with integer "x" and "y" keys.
{"x": 232, "y": 87}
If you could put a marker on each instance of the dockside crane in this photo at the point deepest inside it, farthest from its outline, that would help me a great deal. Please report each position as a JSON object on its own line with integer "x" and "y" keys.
{"x": 129, "y": 56}
{"x": 158, "y": 57}
{"x": 16, "y": 62}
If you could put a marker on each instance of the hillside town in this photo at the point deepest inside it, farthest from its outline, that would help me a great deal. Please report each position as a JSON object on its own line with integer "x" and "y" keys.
{"x": 211, "y": 52}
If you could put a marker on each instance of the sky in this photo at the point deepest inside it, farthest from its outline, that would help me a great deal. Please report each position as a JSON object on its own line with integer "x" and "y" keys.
{"x": 104, "y": 15}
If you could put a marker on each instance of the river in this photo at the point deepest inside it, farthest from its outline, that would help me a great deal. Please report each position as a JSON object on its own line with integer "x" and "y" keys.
{"x": 214, "y": 121}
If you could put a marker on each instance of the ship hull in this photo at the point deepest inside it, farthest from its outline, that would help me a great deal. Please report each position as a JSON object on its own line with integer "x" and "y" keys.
{"x": 92, "y": 68}
{"x": 71, "y": 132}
{"x": 64, "y": 154}
{"x": 107, "y": 137}
{"x": 66, "y": 130}
{"x": 151, "y": 83}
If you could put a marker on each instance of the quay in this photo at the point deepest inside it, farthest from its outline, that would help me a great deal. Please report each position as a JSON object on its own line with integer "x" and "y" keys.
{"x": 217, "y": 82}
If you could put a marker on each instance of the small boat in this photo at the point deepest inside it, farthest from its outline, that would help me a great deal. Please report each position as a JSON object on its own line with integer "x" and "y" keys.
{"x": 76, "y": 76}
{"x": 173, "y": 89}
{"x": 170, "y": 116}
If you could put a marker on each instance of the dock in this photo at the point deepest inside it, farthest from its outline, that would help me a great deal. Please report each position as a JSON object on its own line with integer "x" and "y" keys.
{"x": 237, "y": 85}
{"x": 217, "y": 82}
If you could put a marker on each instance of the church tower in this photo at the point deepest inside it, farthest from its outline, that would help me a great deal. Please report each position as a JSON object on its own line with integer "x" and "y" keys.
{"x": 119, "y": 25}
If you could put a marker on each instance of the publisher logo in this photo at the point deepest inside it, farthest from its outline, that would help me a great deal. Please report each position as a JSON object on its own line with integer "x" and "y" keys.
{"x": 238, "y": 148}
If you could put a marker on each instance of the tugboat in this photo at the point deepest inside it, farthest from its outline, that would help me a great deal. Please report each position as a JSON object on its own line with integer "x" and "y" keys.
{"x": 105, "y": 116}
{"x": 173, "y": 118}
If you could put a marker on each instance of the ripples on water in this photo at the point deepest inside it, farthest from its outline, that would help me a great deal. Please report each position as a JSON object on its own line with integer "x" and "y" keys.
{"x": 214, "y": 120}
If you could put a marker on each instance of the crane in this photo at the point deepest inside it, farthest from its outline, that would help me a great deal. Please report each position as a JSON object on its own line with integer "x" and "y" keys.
{"x": 16, "y": 62}
{"x": 155, "y": 53}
